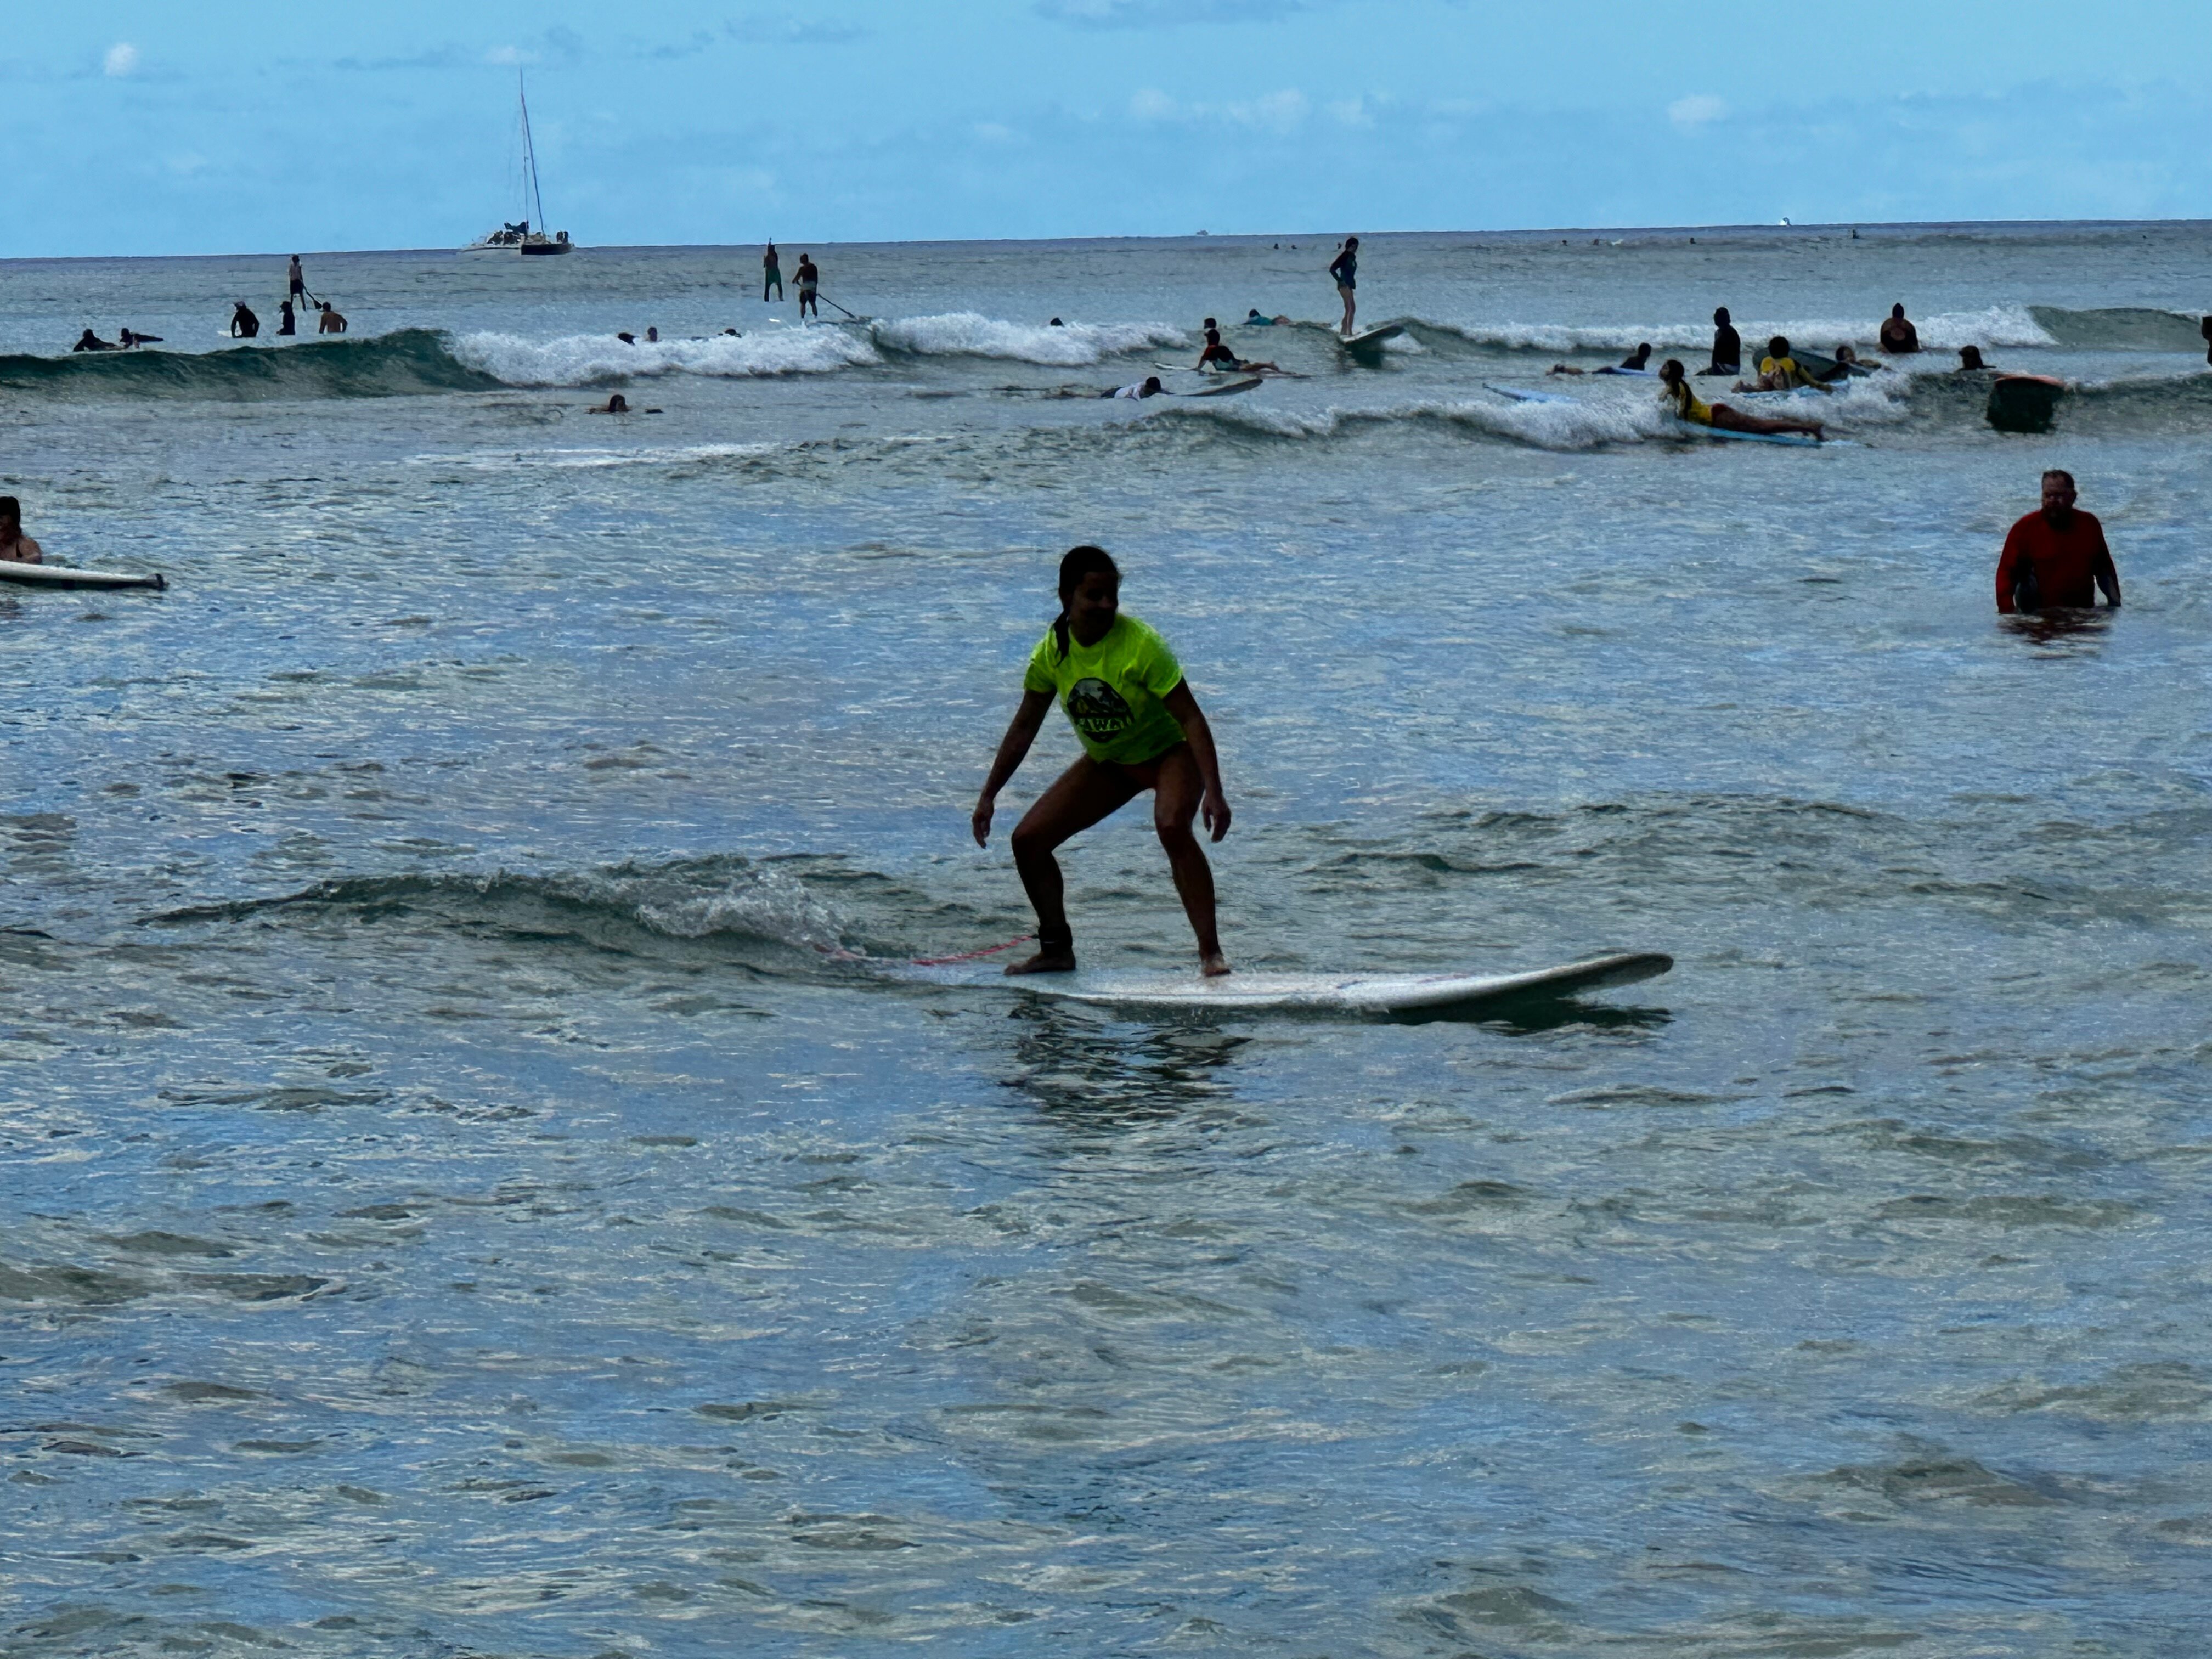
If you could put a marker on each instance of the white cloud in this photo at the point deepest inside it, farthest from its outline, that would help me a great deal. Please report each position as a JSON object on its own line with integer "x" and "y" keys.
{"x": 122, "y": 58}
{"x": 1154, "y": 105}
{"x": 991, "y": 132}
{"x": 1352, "y": 112}
{"x": 1278, "y": 110}
{"x": 1693, "y": 111}
{"x": 509, "y": 55}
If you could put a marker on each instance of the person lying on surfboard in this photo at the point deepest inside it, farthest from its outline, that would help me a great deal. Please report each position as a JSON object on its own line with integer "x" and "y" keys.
{"x": 1682, "y": 403}
{"x": 1140, "y": 727}
{"x": 1217, "y": 355}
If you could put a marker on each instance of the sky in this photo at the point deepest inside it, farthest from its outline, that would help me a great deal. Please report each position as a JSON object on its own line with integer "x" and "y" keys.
{"x": 251, "y": 125}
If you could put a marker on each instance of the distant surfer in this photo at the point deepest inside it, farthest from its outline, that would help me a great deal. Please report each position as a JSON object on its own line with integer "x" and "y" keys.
{"x": 244, "y": 324}
{"x": 1140, "y": 728}
{"x": 131, "y": 337}
{"x": 2206, "y": 331}
{"x": 810, "y": 279}
{"x": 1900, "y": 338}
{"x": 1970, "y": 358}
{"x": 1848, "y": 364}
{"x": 295, "y": 281}
{"x": 1778, "y": 371}
{"x": 89, "y": 341}
{"x": 1345, "y": 268}
{"x": 1728, "y": 346}
{"x": 1150, "y": 387}
{"x": 2055, "y": 557}
{"x": 1638, "y": 360}
{"x": 1254, "y": 319}
{"x": 771, "y": 273}
{"x": 1675, "y": 392}
{"x": 287, "y": 321}
{"x": 18, "y": 549}
{"x": 330, "y": 322}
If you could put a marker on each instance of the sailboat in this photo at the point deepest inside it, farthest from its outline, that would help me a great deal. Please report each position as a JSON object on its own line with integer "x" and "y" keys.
{"x": 525, "y": 237}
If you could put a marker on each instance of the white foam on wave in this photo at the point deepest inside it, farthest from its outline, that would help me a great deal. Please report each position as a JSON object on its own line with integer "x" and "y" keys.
{"x": 1993, "y": 326}
{"x": 596, "y": 359}
{"x": 506, "y": 460}
{"x": 971, "y": 334}
{"x": 1570, "y": 424}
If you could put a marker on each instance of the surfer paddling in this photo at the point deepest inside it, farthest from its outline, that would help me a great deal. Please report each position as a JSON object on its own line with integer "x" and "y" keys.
{"x": 1684, "y": 404}
{"x": 18, "y": 549}
{"x": 1140, "y": 728}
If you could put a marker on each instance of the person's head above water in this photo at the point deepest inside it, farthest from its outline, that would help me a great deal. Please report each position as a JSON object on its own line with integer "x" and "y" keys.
{"x": 1896, "y": 312}
{"x": 1778, "y": 346}
{"x": 2057, "y": 496}
{"x": 1672, "y": 370}
{"x": 1971, "y": 357}
{"x": 1152, "y": 386}
{"x": 1090, "y": 595}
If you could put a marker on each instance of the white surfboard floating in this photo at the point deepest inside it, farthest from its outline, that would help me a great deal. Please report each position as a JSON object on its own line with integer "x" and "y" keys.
{"x": 1386, "y": 994}
{"x": 1521, "y": 394}
{"x": 1371, "y": 339}
{"x": 61, "y": 575}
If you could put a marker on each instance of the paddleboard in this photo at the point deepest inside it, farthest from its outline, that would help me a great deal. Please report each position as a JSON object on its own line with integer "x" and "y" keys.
{"x": 1798, "y": 440}
{"x": 1521, "y": 394}
{"x": 1344, "y": 994}
{"x": 1370, "y": 338}
{"x": 60, "y": 575}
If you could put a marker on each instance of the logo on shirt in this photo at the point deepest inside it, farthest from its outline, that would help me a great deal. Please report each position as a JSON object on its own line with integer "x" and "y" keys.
{"x": 1098, "y": 710}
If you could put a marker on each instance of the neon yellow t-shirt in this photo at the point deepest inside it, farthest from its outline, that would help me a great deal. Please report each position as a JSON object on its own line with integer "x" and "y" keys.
{"x": 1112, "y": 690}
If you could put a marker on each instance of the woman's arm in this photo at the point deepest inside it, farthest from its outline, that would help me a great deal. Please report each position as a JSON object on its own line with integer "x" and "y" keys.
{"x": 1213, "y": 805}
{"x": 1021, "y": 732}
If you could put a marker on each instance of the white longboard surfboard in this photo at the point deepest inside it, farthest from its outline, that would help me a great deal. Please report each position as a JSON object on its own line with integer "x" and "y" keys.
{"x": 1347, "y": 993}
{"x": 61, "y": 575}
{"x": 1370, "y": 339}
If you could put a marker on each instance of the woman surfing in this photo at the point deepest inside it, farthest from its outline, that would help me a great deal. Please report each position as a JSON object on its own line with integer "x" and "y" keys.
{"x": 1141, "y": 729}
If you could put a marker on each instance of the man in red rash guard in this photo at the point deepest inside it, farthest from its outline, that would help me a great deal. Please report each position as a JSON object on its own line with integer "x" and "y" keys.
{"x": 2058, "y": 554}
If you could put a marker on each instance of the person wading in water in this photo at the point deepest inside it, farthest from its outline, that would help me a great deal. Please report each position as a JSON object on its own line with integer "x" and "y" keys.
{"x": 1141, "y": 729}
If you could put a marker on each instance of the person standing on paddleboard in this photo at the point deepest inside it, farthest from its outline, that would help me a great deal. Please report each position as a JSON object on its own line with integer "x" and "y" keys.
{"x": 1140, "y": 728}
{"x": 1345, "y": 268}
{"x": 771, "y": 273}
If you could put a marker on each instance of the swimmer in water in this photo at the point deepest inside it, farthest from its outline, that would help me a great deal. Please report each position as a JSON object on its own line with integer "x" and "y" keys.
{"x": 330, "y": 322}
{"x": 1683, "y": 403}
{"x": 1150, "y": 387}
{"x": 2055, "y": 556}
{"x": 14, "y": 546}
{"x": 89, "y": 341}
{"x": 244, "y": 324}
{"x": 1140, "y": 728}
{"x": 1254, "y": 319}
{"x": 286, "y": 322}
{"x": 1970, "y": 358}
{"x": 1899, "y": 336}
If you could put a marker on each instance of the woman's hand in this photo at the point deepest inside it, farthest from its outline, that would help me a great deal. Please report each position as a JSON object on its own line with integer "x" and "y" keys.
{"x": 1213, "y": 807}
{"x": 980, "y": 820}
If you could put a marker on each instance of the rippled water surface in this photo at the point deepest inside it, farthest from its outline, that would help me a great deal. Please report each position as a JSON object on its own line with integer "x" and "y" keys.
{"x": 476, "y": 1182}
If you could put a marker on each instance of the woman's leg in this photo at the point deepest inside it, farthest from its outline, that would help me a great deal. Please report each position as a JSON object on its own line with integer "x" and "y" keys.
{"x": 1176, "y": 788}
{"x": 1734, "y": 420}
{"x": 1348, "y": 307}
{"x": 1080, "y": 797}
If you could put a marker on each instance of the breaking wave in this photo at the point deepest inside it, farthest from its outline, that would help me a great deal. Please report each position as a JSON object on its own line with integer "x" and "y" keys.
{"x": 969, "y": 334}
{"x": 1995, "y": 326}
{"x": 408, "y": 362}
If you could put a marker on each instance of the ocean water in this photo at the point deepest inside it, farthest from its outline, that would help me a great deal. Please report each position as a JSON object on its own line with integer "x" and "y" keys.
{"x": 477, "y": 1182}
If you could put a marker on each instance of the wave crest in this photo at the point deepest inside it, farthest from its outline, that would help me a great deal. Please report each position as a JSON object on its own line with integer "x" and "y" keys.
{"x": 598, "y": 359}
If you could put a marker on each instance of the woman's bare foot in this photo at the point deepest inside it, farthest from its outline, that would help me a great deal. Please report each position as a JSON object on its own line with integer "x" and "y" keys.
{"x": 1214, "y": 966}
{"x": 1053, "y": 959}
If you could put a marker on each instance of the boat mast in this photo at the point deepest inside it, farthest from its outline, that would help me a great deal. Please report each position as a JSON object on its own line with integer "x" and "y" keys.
{"x": 530, "y": 154}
